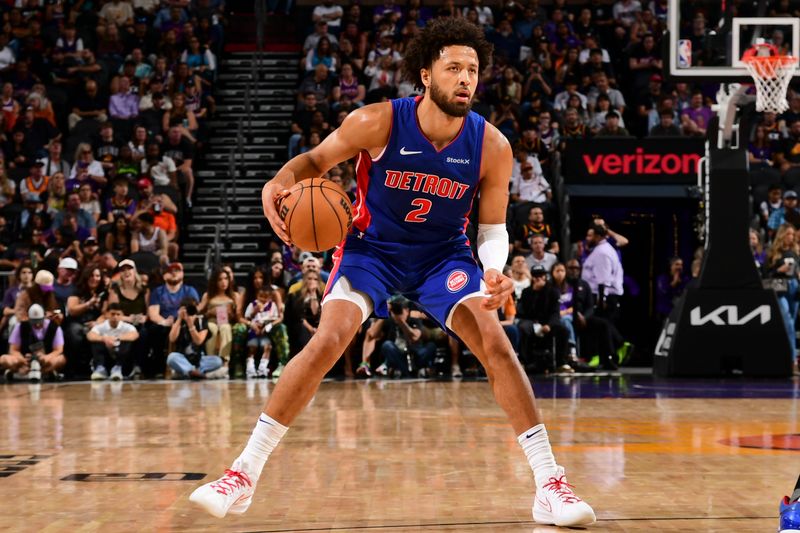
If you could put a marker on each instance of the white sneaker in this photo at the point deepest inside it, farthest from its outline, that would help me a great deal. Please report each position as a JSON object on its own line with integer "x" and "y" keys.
{"x": 100, "y": 373}
{"x": 278, "y": 371}
{"x": 382, "y": 370}
{"x": 263, "y": 370}
{"x": 35, "y": 373}
{"x": 250, "y": 369}
{"x": 232, "y": 493}
{"x": 116, "y": 373}
{"x": 455, "y": 371}
{"x": 556, "y": 504}
{"x": 220, "y": 373}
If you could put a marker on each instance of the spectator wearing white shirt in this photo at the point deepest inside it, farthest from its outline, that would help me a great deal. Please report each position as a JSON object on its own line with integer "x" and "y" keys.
{"x": 625, "y": 11}
{"x": 330, "y": 13}
{"x": 531, "y": 185}
{"x": 570, "y": 88}
{"x": 601, "y": 86}
{"x": 485, "y": 15}
{"x": 538, "y": 256}
{"x": 321, "y": 31}
{"x": 7, "y": 56}
{"x": 111, "y": 342}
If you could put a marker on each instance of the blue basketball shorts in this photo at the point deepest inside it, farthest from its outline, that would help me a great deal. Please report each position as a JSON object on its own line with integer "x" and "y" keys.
{"x": 435, "y": 277}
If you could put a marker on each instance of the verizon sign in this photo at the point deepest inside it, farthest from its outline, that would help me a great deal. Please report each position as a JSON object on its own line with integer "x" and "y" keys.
{"x": 730, "y": 315}
{"x": 632, "y": 161}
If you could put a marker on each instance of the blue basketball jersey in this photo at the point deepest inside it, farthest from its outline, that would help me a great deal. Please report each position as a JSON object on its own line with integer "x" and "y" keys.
{"x": 413, "y": 193}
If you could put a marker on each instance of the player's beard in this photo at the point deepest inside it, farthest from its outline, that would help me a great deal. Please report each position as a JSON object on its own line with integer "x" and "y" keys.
{"x": 454, "y": 109}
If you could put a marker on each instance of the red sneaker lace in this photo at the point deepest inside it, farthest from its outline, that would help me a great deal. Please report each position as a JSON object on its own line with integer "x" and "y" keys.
{"x": 563, "y": 489}
{"x": 230, "y": 482}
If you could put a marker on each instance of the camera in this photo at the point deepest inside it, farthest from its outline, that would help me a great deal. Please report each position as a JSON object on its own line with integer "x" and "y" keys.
{"x": 102, "y": 295}
{"x": 396, "y": 308}
{"x": 191, "y": 310}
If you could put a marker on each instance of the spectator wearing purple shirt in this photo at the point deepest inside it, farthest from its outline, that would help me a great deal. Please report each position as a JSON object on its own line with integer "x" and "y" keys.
{"x": 36, "y": 335}
{"x": 388, "y": 8}
{"x": 123, "y": 105}
{"x": 696, "y": 118}
{"x": 120, "y": 204}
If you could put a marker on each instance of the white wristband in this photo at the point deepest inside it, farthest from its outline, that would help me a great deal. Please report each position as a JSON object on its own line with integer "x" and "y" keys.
{"x": 493, "y": 246}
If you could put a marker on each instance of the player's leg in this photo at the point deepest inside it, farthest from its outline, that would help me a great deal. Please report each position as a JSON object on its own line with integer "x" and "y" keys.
{"x": 299, "y": 382}
{"x": 482, "y": 332}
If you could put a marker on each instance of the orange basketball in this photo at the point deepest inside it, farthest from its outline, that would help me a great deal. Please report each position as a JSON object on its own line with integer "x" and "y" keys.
{"x": 317, "y": 213}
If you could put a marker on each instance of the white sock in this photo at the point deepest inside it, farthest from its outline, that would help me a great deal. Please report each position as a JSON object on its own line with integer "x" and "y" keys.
{"x": 537, "y": 450}
{"x": 266, "y": 435}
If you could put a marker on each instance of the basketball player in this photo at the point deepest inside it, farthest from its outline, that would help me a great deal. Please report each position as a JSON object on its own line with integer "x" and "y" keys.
{"x": 421, "y": 161}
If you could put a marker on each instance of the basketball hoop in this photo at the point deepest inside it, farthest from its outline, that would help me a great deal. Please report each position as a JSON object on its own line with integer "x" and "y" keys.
{"x": 772, "y": 73}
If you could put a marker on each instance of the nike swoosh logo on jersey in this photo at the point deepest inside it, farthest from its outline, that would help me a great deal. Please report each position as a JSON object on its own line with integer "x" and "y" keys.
{"x": 403, "y": 151}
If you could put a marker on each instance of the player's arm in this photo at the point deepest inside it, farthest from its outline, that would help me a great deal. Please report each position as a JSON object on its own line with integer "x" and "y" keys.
{"x": 364, "y": 129}
{"x": 496, "y": 164}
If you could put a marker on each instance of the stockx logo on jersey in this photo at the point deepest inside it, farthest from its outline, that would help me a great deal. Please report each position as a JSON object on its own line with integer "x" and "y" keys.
{"x": 425, "y": 183}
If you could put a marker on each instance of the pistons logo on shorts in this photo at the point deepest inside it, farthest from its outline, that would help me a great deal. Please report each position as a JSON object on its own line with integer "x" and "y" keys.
{"x": 457, "y": 280}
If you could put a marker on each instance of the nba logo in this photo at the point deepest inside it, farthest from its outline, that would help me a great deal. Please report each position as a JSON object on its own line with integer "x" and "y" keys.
{"x": 684, "y": 53}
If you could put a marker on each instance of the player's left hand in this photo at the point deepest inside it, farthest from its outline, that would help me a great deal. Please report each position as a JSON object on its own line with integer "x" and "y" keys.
{"x": 498, "y": 289}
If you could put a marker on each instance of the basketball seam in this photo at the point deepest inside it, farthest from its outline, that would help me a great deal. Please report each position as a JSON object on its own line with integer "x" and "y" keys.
{"x": 333, "y": 208}
{"x": 313, "y": 221}
{"x": 291, "y": 213}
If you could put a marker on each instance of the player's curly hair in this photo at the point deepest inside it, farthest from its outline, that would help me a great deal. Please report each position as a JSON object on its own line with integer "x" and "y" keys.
{"x": 425, "y": 48}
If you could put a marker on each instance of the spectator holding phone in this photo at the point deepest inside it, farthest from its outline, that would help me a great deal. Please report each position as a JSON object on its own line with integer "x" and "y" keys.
{"x": 188, "y": 334}
{"x": 36, "y": 348}
{"x": 111, "y": 342}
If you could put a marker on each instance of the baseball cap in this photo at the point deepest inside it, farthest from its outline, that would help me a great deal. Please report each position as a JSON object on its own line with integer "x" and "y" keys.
{"x": 90, "y": 241}
{"x": 143, "y": 183}
{"x": 538, "y": 270}
{"x": 44, "y": 279}
{"x": 37, "y": 163}
{"x": 36, "y": 313}
{"x": 789, "y": 194}
{"x": 305, "y": 256}
{"x": 399, "y": 299}
{"x": 174, "y": 266}
{"x": 656, "y": 77}
{"x": 69, "y": 263}
{"x": 126, "y": 262}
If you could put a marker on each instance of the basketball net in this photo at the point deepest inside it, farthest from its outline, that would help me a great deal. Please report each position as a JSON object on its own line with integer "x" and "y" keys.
{"x": 772, "y": 73}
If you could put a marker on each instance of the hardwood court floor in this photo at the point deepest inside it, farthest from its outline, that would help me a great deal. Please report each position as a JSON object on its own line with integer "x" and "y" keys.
{"x": 386, "y": 457}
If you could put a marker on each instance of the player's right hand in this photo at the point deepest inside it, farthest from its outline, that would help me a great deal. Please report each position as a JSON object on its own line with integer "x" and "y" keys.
{"x": 271, "y": 195}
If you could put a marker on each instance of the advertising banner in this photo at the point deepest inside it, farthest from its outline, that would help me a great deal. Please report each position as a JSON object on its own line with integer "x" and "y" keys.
{"x": 624, "y": 161}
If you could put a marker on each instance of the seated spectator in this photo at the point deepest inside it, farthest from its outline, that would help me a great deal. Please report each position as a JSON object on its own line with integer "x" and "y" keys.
{"x": 8, "y": 188}
{"x": 200, "y": 59}
{"x": 36, "y": 348}
{"x": 532, "y": 186}
{"x": 505, "y": 119}
{"x": 22, "y": 280}
{"x": 181, "y": 151}
{"x": 123, "y": 107}
{"x": 539, "y": 318}
{"x": 789, "y": 214}
{"x": 308, "y": 263}
{"x": 303, "y": 311}
{"x": 666, "y": 127}
{"x": 38, "y": 131}
{"x": 111, "y": 342}
{"x": 320, "y": 31}
{"x": 534, "y": 225}
{"x": 757, "y": 247}
{"x": 189, "y": 334}
{"x": 84, "y": 310}
{"x": 763, "y": 175}
{"x": 36, "y": 182}
{"x": 666, "y": 103}
{"x": 602, "y": 86}
{"x": 570, "y": 89}
{"x": 773, "y": 202}
{"x": 56, "y": 193}
{"x": 218, "y": 305}
{"x": 404, "y": 351}
{"x": 612, "y": 127}
{"x": 349, "y": 87}
{"x": 106, "y": 148}
{"x": 321, "y": 83}
{"x": 88, "y": 202}
{"x": 787, "y": 155}
{"x": 149, "y": 238}
{"x": 322, "y": 54}
{"x": 120, "y": 203}
{"x": 182, "y": 118}
{"x": 73, "y": 207}
{"x": 264, "y": 317}
{"x": 669, "y": 287}
{"x": 90, "y": 251}
{"x": 86, "y": 169}
{"x": 520, "y": 275}
{"x": 54, "y": 162}
{"x": 65, "y": 285}
{"x": 18, "y": 151}
{"x": 119, "y": 238}
{"x": 40, "y": 292}
{"x": 89, "y": 106}
{"x": 538, "y": 255}
{"x": 161, "y": 312}
{"x": 696, "y": 118}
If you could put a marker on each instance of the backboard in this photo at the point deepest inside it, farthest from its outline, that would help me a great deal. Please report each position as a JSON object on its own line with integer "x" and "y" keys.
{"x": 707, "y": 38}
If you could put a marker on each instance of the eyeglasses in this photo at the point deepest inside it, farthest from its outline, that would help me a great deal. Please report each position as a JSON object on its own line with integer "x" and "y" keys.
{"x": 86, "y": 152}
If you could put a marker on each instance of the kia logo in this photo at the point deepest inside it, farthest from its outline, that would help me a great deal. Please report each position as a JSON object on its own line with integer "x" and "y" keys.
{"x": 730, "y": 315}
{"x": 641, "y": 163}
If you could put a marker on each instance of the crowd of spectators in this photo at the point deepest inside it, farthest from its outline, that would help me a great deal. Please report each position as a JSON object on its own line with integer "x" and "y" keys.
{"x": 104, "y": 111}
